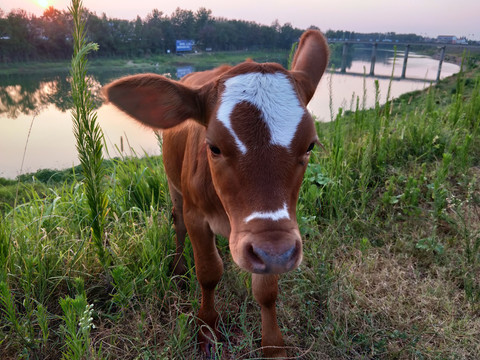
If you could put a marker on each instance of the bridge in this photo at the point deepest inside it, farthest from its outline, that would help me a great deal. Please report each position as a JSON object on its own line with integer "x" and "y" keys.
{"x": 374, "y": 44}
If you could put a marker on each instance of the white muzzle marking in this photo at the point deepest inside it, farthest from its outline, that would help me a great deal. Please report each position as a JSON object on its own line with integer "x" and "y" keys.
{"x": 269, "y": 215}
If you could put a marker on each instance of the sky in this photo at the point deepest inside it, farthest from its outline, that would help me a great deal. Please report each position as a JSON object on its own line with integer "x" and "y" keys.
{"x": 423, "y": 17}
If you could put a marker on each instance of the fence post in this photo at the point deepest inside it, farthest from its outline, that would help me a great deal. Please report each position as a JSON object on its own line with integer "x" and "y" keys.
{"x": 405, "y": 59}
{"x": 374, "y": 57}
{"x": 442, "y": 56}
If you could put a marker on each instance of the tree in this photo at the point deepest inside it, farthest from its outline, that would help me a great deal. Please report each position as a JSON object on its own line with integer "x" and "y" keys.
{"x": 154, "y": 35}
{"x": 55, "y": 34}
{"x": 20, "y": 45}
{"x": 288, "y": 36}
{"x": 183, "y": 23}
{"x": 99, "y": 31}
{"x": 139, "y": 36}
{"x": 204, "y": 28}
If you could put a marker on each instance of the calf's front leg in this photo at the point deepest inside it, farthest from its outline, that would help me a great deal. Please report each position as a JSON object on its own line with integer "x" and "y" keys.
{"x": 179, "y": 267}
{"x": 265, "y": 290}
{"x": 209, "y": 270}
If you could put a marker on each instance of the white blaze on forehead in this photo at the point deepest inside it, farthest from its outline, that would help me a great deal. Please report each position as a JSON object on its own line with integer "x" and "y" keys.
{"x": 273, "y": 95}
{"x": 269, "y": 215}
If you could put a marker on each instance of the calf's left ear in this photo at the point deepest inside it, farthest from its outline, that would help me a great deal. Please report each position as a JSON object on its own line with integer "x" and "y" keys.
{"x": 309, "y": 63}
{"x": 158, "y": 102}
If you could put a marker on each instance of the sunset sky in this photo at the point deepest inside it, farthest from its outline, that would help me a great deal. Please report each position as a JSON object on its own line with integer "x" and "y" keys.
{"x": 423, "y": 17}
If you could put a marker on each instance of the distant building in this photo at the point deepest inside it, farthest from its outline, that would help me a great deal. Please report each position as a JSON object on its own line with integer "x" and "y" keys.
{"x": 447, "y": 39}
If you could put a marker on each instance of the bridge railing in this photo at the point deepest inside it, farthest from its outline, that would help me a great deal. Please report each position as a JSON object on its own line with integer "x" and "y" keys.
{"x": 373, "y": 59}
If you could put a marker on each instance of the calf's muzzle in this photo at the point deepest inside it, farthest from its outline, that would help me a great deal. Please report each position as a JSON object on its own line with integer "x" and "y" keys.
{"x": 270, "y": 252}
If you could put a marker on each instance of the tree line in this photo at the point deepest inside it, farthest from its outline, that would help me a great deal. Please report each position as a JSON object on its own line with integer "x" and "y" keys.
{"x": 26, "y": 37}
{"x": 340, "y": 35}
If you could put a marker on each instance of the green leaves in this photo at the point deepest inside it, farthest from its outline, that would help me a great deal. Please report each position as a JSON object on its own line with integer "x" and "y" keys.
{"x": 78, "y": 323}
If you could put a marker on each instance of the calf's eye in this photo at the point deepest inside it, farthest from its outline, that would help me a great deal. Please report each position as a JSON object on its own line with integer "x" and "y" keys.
{"x": 215, "y": 150}
{"x": 310, "y": 147}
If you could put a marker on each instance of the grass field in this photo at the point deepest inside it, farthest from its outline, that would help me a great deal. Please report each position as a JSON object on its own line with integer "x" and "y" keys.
{"x": 389, "y": 210}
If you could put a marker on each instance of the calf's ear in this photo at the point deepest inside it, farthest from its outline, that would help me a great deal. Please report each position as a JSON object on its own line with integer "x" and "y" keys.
{"x": 158, "y": 102}
{"x": 309, "y": 63}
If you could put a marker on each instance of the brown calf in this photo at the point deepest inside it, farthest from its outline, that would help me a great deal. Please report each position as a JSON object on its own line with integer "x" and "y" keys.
{"x": 235, "y": 147}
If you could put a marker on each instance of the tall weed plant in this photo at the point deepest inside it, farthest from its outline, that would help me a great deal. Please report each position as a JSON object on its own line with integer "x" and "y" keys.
{"x": 88, "y": 134}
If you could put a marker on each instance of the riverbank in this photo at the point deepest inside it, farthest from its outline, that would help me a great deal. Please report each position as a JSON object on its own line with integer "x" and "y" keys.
{"x": 389, "y": 210}
{"x": 152, "y": 63}
{"x": 455, "y": 54}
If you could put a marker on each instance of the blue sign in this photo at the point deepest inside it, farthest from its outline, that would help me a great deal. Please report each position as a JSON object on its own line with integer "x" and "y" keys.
{"x": 185, "y": 45}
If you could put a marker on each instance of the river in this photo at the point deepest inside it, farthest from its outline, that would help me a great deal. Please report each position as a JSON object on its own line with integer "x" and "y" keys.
{"x": 36, "y": 126}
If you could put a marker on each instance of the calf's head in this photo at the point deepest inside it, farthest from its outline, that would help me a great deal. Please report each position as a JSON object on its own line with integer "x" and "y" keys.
{"x": 258, "y": 138}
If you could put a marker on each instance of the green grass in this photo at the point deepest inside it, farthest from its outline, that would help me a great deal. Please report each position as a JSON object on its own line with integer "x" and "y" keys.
{"x": 390, "y": 213}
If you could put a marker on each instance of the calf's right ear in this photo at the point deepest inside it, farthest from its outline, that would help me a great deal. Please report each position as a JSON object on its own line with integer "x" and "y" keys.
{"x": 159, "y": 102}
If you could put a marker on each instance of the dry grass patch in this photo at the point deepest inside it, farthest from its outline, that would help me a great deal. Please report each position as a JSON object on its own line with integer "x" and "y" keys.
{"x": 389, "y": 309}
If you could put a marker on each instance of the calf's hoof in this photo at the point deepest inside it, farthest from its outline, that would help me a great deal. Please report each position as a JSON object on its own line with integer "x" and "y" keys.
{"x": 207, "y": 341}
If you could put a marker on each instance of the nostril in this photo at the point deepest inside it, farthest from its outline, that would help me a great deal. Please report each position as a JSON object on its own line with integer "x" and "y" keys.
{"x": 255, "y": 259}
{"x": 287, "y": 255}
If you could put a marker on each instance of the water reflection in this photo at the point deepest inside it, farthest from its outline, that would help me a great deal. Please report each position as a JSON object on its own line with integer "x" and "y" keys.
{"x": 34, "y": 115}
{"x": 337, "y": 90}
{"x": 360, "y": 53}
{"x": 33, "y": 93}
{"x": 35, "y": 107}
{"x": 49, "y": 141}
{"x": 184, "y": 70}
{"x": 26, "y": 95}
